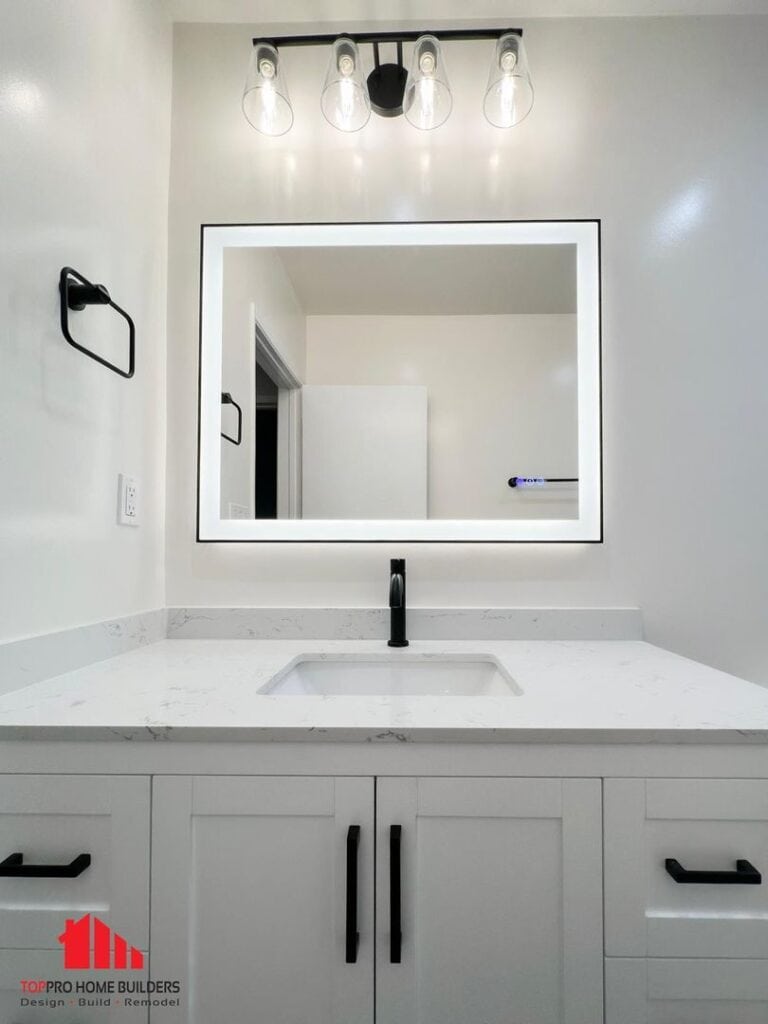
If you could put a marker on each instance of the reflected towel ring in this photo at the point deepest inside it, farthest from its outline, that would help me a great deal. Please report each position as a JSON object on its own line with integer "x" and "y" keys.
{"x": 227, "y": 399}
{"x": 76, "y": 292}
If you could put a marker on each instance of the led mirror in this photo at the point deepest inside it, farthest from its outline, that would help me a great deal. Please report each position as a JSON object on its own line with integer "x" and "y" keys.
{"x": 400, "y": 382}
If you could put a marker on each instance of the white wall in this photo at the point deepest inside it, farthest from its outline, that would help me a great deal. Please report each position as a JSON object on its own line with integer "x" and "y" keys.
{"x": 255, "y": 286}
{"x": 659, "y": 127}
{"x": 84, "y": 122}
{"x": 364, "y": 451}
{"x": 501, "y": 393}
{"x": 238, "y": 377}
{"x": 260, "y": 276}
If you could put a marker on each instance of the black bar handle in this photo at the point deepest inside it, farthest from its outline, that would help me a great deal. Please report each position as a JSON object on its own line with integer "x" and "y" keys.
{"x": 14, "y": 867}
{"x": 395, "y": 896}
{"x": 353, "y": 936}
{"x": 745, "y": 874}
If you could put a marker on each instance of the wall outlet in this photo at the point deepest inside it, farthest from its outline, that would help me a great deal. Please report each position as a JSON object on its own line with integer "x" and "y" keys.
{"x": 127, "y": 500}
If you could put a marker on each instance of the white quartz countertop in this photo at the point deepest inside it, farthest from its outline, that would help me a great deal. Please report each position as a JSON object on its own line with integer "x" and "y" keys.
{"x": 573, "y": 691}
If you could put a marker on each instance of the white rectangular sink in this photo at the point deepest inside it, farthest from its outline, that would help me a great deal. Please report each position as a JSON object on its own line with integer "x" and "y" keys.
{"x": 401, "y": 675}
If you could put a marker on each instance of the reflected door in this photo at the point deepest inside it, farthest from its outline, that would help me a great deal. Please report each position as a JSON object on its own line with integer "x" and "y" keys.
{"x": 364, "y": 452}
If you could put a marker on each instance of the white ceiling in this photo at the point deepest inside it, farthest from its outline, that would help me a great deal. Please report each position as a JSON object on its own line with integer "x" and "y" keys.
{"x": 332, "y": 13}
{"x": 430, "y": 280}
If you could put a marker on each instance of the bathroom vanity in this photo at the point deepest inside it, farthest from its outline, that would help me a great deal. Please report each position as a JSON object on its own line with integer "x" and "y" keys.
{"x": 262, "y": 343}
{"x": 289, "y": 848}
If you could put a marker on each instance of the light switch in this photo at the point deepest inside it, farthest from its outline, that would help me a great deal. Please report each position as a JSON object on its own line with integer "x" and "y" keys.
{"x": 127, "y": 501}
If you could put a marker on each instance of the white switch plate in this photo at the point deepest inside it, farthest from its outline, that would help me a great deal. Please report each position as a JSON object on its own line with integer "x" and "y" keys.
{"x": 127, "y": 500}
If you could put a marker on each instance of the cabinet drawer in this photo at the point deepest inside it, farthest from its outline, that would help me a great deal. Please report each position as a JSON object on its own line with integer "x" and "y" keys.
{"x": 705, "y": 825}
{"x": 51, "y": 820}
{"x": 18, "y": 964}
{"x": 686, "y": 991}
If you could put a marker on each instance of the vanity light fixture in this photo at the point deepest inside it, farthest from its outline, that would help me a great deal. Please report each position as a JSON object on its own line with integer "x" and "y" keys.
{"x": 344, "y": 100}
{"x": 428, "y": 99}
{"x": 265, "y": 98}
{"x": 423, "y": 93}
{"x": 509, "y": 94}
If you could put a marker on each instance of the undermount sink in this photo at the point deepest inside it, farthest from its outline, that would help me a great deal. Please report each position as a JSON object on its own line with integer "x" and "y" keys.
{"x": 401, "y": 675}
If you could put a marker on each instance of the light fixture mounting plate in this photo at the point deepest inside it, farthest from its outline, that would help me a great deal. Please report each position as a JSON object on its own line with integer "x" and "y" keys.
{"x": 386, "y": 88}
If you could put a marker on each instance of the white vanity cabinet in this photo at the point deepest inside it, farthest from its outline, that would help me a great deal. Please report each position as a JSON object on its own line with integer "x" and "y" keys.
{"x": 488, "y": 900}
{"x": 428, "y": 898}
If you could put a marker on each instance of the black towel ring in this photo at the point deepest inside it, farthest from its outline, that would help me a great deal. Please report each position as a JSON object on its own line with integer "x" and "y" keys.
{"x": 227, "y": 399}
{"x": 76, "y": 292}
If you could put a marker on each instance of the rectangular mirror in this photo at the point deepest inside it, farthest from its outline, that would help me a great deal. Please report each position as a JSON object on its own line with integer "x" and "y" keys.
{"x": 400, "y": 382}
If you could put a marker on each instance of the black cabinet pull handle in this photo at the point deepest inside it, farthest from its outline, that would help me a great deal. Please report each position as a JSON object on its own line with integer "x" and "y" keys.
{"x": 395, "y": 898}
{"x": 353, "y": 936}
{"x": 745, "y": 874}
{"x": 14, "y": 867}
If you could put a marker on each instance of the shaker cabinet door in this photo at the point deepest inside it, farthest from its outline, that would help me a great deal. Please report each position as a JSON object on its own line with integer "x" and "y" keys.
{"x": 254, "y": 906}
{"x": 489, "y": 901}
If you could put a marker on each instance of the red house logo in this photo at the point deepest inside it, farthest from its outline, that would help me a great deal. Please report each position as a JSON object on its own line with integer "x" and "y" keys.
{"x": 78, "y": 939}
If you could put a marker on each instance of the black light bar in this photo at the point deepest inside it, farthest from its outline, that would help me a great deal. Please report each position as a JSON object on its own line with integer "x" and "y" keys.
{"x": 389, "y": 37}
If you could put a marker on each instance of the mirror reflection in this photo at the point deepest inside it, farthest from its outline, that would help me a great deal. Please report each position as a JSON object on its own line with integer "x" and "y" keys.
{"x": 399, "y": 382}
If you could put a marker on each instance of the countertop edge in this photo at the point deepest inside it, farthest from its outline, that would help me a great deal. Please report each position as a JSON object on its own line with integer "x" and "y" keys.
{"x": 349, "y": 734}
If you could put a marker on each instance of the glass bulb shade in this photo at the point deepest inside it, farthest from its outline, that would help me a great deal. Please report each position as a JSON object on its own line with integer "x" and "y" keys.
{"x": 344, "y": 100}
{"x": 428, "y": 100}
{"x": 266, "y": 104}
{"x": 509, "y": 94}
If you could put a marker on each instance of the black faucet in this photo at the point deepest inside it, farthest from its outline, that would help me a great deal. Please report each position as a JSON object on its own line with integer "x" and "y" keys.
{"x": 397, "y": 603}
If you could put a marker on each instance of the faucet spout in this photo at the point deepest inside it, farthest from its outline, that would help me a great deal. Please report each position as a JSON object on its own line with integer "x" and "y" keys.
{"x": 397, "y": 632}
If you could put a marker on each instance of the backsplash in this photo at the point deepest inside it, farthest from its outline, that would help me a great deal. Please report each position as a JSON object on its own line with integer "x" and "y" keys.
{"x": 38, "y": 657}
{"x": 423, "y": 623}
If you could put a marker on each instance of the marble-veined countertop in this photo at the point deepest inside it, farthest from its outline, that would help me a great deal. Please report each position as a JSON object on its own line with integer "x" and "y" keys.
{"x": 572, "y": 691}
